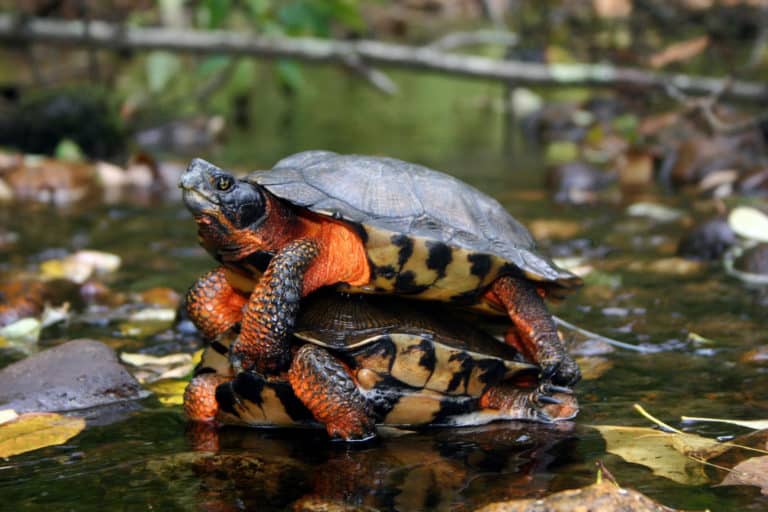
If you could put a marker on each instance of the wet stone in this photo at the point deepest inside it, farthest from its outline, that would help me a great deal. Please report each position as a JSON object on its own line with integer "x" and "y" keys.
{"x": 79, "y": 374}
{"x": 707, "y": 241}
{"x": 754, "y": 260}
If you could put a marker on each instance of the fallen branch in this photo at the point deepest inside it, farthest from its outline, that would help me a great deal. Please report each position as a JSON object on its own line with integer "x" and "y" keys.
{"x": 110, "y": 36}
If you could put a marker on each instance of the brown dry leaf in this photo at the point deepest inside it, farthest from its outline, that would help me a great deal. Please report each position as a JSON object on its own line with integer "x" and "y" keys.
{"x": 636, "y": 169}
{"x": 677, "y": 52}
{"x": 612, "y": 8}
{"x": 37, "y": 430}
{"x": 651, "y": 125}
{"x": 603, "y": 496}
{"x": 554, "y": 228}
{"x": 666, "y": 454}
{"x": 753, "y": 471}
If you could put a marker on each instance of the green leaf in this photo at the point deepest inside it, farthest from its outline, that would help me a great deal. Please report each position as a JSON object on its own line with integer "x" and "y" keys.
{"x": 289, "y": 73}
{"x": 258, "y": 8}
{"x": 213, "y": 65}
{"x": 218, "y": 11}
{"x": 37, "y": 430}
{"x": 160, "y": 68}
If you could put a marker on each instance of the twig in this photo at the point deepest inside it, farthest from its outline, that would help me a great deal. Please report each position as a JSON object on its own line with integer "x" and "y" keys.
{"x": 610, "y": 341}
{"x": 110, "y": 36}
{"x": 376, "y": 78}
{"x": 459, "y": 39}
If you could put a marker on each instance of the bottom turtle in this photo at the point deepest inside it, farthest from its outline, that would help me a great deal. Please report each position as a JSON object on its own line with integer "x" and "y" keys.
{"x": 361, "y": 360}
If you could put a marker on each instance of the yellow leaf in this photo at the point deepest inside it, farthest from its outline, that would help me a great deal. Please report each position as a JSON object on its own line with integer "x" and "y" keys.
{"x": 660, "y": 451}
{"x": 37, "y": 430}
{"x": 170, "y": 391}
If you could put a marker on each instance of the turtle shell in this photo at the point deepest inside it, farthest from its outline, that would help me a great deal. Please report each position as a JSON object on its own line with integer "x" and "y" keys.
{"x": 386, "y": 195}
{"x": 391, "y": 343}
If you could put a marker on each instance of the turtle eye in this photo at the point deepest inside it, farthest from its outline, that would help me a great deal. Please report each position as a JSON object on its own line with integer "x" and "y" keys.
{"x": 224, "y": 183}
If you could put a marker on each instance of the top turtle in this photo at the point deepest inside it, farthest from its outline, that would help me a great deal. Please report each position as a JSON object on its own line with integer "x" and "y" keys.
{"x": 367, "y": 225}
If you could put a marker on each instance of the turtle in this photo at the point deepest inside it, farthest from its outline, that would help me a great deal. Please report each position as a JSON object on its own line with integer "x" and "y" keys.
{"x": 363, "y": 224}
{"x": 398, "y": 362}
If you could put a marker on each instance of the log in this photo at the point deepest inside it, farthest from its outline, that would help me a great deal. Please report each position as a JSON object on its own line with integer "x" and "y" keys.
{"x": 103, "y": 35}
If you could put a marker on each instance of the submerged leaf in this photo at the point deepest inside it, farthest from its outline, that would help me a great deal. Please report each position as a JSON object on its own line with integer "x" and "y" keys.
{"x": 37, "y": 430}
{"x": 666, "y": 454}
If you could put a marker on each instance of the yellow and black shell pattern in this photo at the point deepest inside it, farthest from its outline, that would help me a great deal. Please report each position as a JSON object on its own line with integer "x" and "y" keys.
{"x": 427, "y": 234}
{"x": 416, "y": 368}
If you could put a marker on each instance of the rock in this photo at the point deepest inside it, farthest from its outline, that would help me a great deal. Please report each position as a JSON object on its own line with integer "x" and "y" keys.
{"x": 76, "y": 375}
{"x": 708, "y": 240}
{"x": 754, "y": 260}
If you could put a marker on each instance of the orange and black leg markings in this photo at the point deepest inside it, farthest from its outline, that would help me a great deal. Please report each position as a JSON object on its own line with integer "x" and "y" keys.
{"x": 271, "y": 311}
{"x": 200, "y": 402}
{"x": 536, "y": 329}
{"x": 326, "y": 388}
{"x": 528, "y": 404}
{"x": 213, "y": 304}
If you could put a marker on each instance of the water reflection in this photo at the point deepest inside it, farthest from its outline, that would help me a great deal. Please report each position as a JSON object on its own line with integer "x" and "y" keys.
{"x": 439, "y": 469}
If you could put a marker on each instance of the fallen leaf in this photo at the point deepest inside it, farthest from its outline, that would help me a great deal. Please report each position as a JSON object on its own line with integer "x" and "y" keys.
{"x": 677, "y": 52}
{"x": 37, "y": 430}
{"x": 7, "y": 415}
{"x": 749, "y": 222}
{"x": 636, "y": 169}
{"x": 554, "y": 228}
{"x": 80, "y": 266}
{"x": 135, "y": 359}
{"x": 611, "y": 9}
{"x": 752, "y": 471}
{"x": 22, "y": 334}
{"x": 169, "y": 392}
{"x": 153, "y": 315}
{"x": 657, "y": 212}
{"x": 666, "y": 454}
{"x": 668, "y": 266}
{"x": 753, "y": 424}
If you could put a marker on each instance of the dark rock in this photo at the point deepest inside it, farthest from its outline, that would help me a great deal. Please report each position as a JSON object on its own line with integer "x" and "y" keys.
{"x": 754, "y": 260}
{"x": 76, "y": 375}
{"x": 707, "y": 241}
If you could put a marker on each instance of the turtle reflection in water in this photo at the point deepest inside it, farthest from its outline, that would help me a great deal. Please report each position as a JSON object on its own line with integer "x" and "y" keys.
{"x": 410, "y": 364}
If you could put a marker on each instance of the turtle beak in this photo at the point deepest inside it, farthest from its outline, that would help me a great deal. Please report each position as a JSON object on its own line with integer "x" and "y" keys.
{"x": 198, "y": 191}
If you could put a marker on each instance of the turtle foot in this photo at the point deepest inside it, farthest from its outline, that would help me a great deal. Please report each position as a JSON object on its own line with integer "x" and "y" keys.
{"x": 325, "y": 387}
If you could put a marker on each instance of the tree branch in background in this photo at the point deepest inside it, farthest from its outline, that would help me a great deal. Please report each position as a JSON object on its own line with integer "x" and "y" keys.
{"x": 106, "y": 35}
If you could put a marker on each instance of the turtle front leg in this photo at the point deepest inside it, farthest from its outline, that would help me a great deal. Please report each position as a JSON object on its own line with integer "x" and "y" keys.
{"x": 213, "y": 305}
{"x": 526, "y": 404}
{"x": 271, "y": 311}
{"x": 326, "y": 388}
{"x": 536, "y": 329}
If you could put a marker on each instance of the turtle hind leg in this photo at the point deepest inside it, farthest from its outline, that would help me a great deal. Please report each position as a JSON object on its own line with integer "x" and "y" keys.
{"x": 327, "y": 389}
{"x": 536, "y": 329}
{"x": 213, "y": 304}
{"x": 514, "y": 402}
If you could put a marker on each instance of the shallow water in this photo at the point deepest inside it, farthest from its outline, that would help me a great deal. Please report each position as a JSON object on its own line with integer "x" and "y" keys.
{"x": 149, "y": 459}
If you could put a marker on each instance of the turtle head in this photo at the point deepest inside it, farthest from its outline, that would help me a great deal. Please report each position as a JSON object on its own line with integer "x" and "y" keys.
{"x": 228, "y": 211}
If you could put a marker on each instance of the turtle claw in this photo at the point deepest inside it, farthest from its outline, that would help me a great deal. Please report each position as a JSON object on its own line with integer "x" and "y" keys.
{"x": 547, "y": 399}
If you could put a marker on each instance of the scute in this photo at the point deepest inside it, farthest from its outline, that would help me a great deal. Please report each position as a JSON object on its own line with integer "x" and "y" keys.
{"x": 402, "y": 197}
